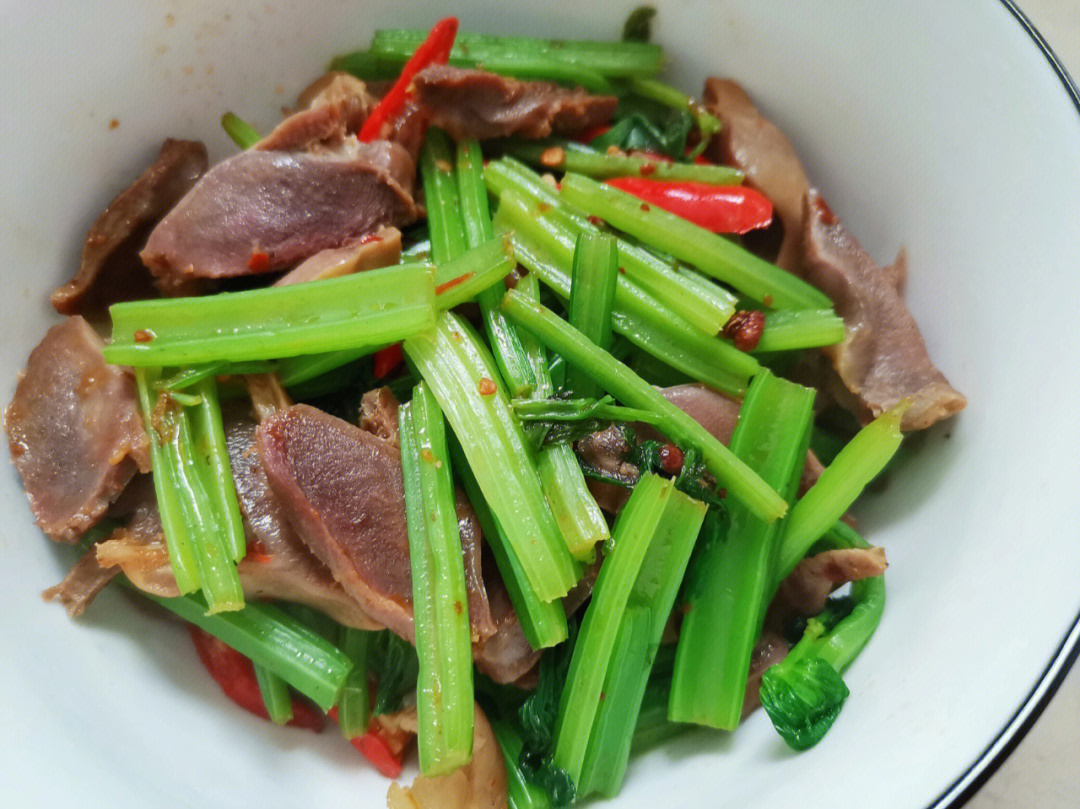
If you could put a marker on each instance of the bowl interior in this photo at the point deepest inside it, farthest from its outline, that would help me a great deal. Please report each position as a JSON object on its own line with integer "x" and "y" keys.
{"x": 935, "y": 126}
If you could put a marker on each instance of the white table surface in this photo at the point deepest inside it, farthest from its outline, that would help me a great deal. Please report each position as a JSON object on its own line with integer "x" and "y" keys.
{"x": 1044, "y": 770}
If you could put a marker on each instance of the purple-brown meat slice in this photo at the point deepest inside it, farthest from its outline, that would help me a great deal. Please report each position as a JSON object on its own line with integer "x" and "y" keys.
{"x": 109, "y": 269}
{"x": 329, "y": 109}
{"x": 279, "y": 564}
{"x": 74, "y": 430}
{"x": 263, "y": 211}
{"x": 341, "y": 489}
{"x": 379, "y": 249}
{"x": 806, "y": 588}
{"x": 81, "y": 585}
{"x": 477, "y": 104}
{"x": 752, "y": 143}
{"x": 379, "y": 414}
{"x": 883, "y": 358}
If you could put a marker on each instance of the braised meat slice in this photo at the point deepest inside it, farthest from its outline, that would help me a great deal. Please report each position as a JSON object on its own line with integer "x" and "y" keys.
{"x": 341, "y": 490}
{"x": 81, "y": 585}
{"x": 477, "y": 104}
{"x": 379, "y": 249}
{"x": 262, "y": 211}
{"x": 883, "y": 358}
{"x": 109, "y": 269}
{"x": 74, "y": 430}
{"x": 329, "y": 109}
{"x": 806, "y": 588}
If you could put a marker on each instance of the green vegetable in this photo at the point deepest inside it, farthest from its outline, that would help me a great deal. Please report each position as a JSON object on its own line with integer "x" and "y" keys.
{"x": 274, "y": 640}
{"x": 637, "y": 643}
{"x": 395, "y": 664}
{"x": 368, "y": 65}
{"x": 636, "y": 315}
{"x": 557, "y": 56}
{"x": 653, "y": 537}
{"x": 187, "y": 377}
{"x": 645, "y": 126}
{"x": 793, "y": 329}
{"x": 730, "y": 583}
{"x": 592, "y": 293}
{"x": 559, "y": 224}
{"x": 708, "y": 125}
{"x": 803, "y": 694}
{"x": 581, "y": 159}
{"x": 574, "y": 410}
{"x": 731, "y": 473}
{"x": 543, "y": 622}
{"x": 638, "y": 25}
{"x": 371, "y": 308}
{"x": 504, "y": 340}
{"x": 275, "y": 695}
{"x": 520, "y": 793}
{"x": 209, "y": 434}
{"x": 444, "y": 691}
{"x": 354, "y": 704}
{"x": 579, "y": 518}
{"x": 462, "y": 376}
{"x": 712, "y": 254}
{"x": 840, "y": 484}
{"x": 242, "y": 133}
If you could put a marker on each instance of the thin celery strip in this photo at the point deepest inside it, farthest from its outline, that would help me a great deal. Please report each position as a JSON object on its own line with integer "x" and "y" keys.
{"x": 163, "y": 457}
{"x": 503, "y": 338}
{"x": 858, "y": 463}
{"x": 240, "y": 131}
{"x": 275, "y": 695}
{"x": 582, "y": 159}
{"x": 369, "y": 308}
{"x": 187, "y": 377}
{"x": 622, "y": 383}
{"x": 562, "y": 223}
{"x": 272, "y": 639}
{"x": 210, "y": 442}
{"x": 592, "y": 294}
{"x": 543, "y": 622}
{"x": 636, "y": 315}
{"x": 794, "y": 329}
{"x": 444, "y": 688}
{"x": 461, "y": 374}
{"x": 441, "y": 197}
{"x": 614, "y": 59}
{"x": 730, "y": 583}
{"x": 354, "y": 704}
{"x": 710, "y": 253}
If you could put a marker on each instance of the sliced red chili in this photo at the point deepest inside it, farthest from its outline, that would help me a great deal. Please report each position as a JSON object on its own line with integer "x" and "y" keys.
{"x": 377, "y": 749}
{"x": 386, "y": 360}
{"x": 435, "y": 50}
{"x": 236, "y": 676}
{"x": 718, "y": 208}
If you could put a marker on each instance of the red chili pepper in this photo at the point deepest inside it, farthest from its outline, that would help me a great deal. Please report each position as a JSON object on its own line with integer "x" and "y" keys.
{"x": 589, "y": 135}
{"x": 386, "y": 360}
{"x": 236, "y": 676}
{"x": 378, "y": 750}
{"x": 453, "y": 282}
{"x": 435, "y": 50}
{"x": 719, "y": 208}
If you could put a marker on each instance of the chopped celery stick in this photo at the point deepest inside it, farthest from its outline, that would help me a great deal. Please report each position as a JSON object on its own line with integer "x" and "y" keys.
{"x": 444, "y": 687}
{"x": 275, "y": 696}
{"x": 840, "y": 484}
{"x": 369, "y": 308}
{"x": 592, "y": 294}
{"x": 354, "y": 704}
{"x": 461, "y": 375}
{"x": 794, "y": 329}
{"x": 210, "y": 442}
{"x": 242, "y": 133}
{"x": 731, "y": 581}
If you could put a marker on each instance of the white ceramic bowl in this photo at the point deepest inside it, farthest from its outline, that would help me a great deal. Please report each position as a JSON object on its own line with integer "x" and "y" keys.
{"x": 939, "y": 126}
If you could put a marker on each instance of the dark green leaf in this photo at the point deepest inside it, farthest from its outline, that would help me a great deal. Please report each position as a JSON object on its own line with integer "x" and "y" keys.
{"x": 803, "y": 700}
{"x": 395, "y": 663}
{"x": 638, "y": 26}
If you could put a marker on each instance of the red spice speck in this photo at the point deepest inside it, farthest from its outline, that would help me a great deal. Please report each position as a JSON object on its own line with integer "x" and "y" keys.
{"x": 744, "y": 328}
{"x": 767, "y": 299}
{"x": 552, "y": 157}
{"x": 722, "y": 493}
{"x": 458, "y": 608}
{"x": 453, "y": 282}
{"x": 258, "y": 261}
{"x": 371, "y": 237}
{"x": 827, "y": 215}
{"x": 647, "y": 169}
{"x": 596, "y": 220}
{"x": 113, "y": 123}
{"x": 671, "y": 459}
{"x": 144, "y": 336}
{"x": 487, "y": 387}
{"x": 543, "y": 208}
{"x": 645, "y": 207}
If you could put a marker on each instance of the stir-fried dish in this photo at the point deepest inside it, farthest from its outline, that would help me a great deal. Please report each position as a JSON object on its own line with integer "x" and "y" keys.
{"x": 502, "y": 398}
